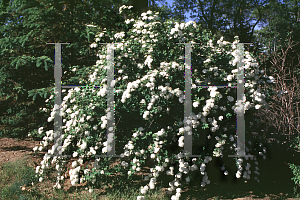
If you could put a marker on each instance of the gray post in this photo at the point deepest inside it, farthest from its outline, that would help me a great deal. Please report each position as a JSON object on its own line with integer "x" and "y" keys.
{"x": 188, "y": 129}
{"x": 240, "y": 116}
{"x": 188, "y": 137}
{"x": 110, "y": 101}
{"x": 240, "y": 121}
{"x": 57, "y": 102}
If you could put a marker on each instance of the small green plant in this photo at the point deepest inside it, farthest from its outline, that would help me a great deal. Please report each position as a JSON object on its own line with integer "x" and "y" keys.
{"x": 296, "y": 172}
{"x": 295, "y": 169}
{"x": 296, "y": 143}
{"x": 296, "y": 194}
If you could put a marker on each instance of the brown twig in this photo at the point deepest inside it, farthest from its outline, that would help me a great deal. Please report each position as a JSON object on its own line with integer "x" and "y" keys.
{"x": 281, "y": 112}
{"x": 118, "y": 121}
{"x": 150, "y": 123}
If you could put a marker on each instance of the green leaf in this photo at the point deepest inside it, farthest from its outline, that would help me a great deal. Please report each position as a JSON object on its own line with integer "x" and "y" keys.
{"x": 18, "y": 63}
{"x": 228, "y": 115}
{"x": 38, "y": 63}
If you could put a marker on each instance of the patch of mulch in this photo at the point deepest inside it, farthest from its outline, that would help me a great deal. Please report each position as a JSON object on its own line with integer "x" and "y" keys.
{"x": 12, "y": 149}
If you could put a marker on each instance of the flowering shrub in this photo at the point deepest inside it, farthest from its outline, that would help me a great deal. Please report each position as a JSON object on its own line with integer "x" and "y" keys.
{"x": 149, "y": 89}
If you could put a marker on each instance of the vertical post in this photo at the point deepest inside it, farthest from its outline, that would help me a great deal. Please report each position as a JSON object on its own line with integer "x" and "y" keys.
{"x": 240, "y": 112}
{"x": 57, "y": 102}
{"x": 240, "y": 121}
{"x": 110, "y": 101}
{"x": 188, "y": 137}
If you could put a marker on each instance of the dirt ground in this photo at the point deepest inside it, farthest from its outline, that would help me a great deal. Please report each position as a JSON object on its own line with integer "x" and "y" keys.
{"x": 13, "y": 149}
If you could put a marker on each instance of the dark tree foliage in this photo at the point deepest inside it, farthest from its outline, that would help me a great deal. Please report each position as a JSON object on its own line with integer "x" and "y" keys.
{"x": 26, "y": 64}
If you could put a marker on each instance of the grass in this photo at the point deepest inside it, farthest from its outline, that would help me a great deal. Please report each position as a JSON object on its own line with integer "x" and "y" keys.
{"x": 17, "y": 181}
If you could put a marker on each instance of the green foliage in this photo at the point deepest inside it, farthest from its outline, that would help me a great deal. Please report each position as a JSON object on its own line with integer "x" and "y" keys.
{"x": 296, "y": 172}
{"x": 295, "y": 168}
{"x": 22, "y": 174}
{"x": 26, "y": 67}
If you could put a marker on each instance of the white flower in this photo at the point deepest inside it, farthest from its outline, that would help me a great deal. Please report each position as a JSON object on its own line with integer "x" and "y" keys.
{"x": 75, "y": 154}
{"x": 83, "y": 145}
{"x": 195, "y": 104}
{"x": 207, "y": 60}
{"x": 93, "y": 45}
{"x": 177, "y": 183}
{"x": 238, "y": 174}
{"x": 145, "y": 115}
{"x": 135, "y": 135}
{"x": 37, "y": 169}
{"x": 74, "y": 164}
{"x": 218, "y": 145}
{"x": 229, "y": 77}
{"x": 257, "y": 106}
{"x": 104, "y": 149}
{"x": 230, "y": 98}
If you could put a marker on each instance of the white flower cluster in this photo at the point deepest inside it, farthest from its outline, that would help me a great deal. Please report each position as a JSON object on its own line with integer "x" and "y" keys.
{"x": 193, "y": 120}
{"x": 204, "y": 179}
{"x": 149, "y": 12}
{"x": 127, "y": 21}
{"x": 181, "y": 26}
{"x": 74, "y": 174}
{"x": 214, "y": 124}
{"x": 209, "y": 104}
{"x": 259, "y": 97}
{"x": 195, "y": 104}
{"x": 119, "y": 35}
{"x": 221, "y": 42}
{"x": 213, "y": 91}
{"x": 47, "y": 100}
{"x": 180, "y": 141}
{"x": 124, "y": 7}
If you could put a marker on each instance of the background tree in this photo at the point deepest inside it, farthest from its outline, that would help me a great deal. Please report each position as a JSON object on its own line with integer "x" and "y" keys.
{"x": 26, "y": 69}
{"x": 281, "y": 60}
